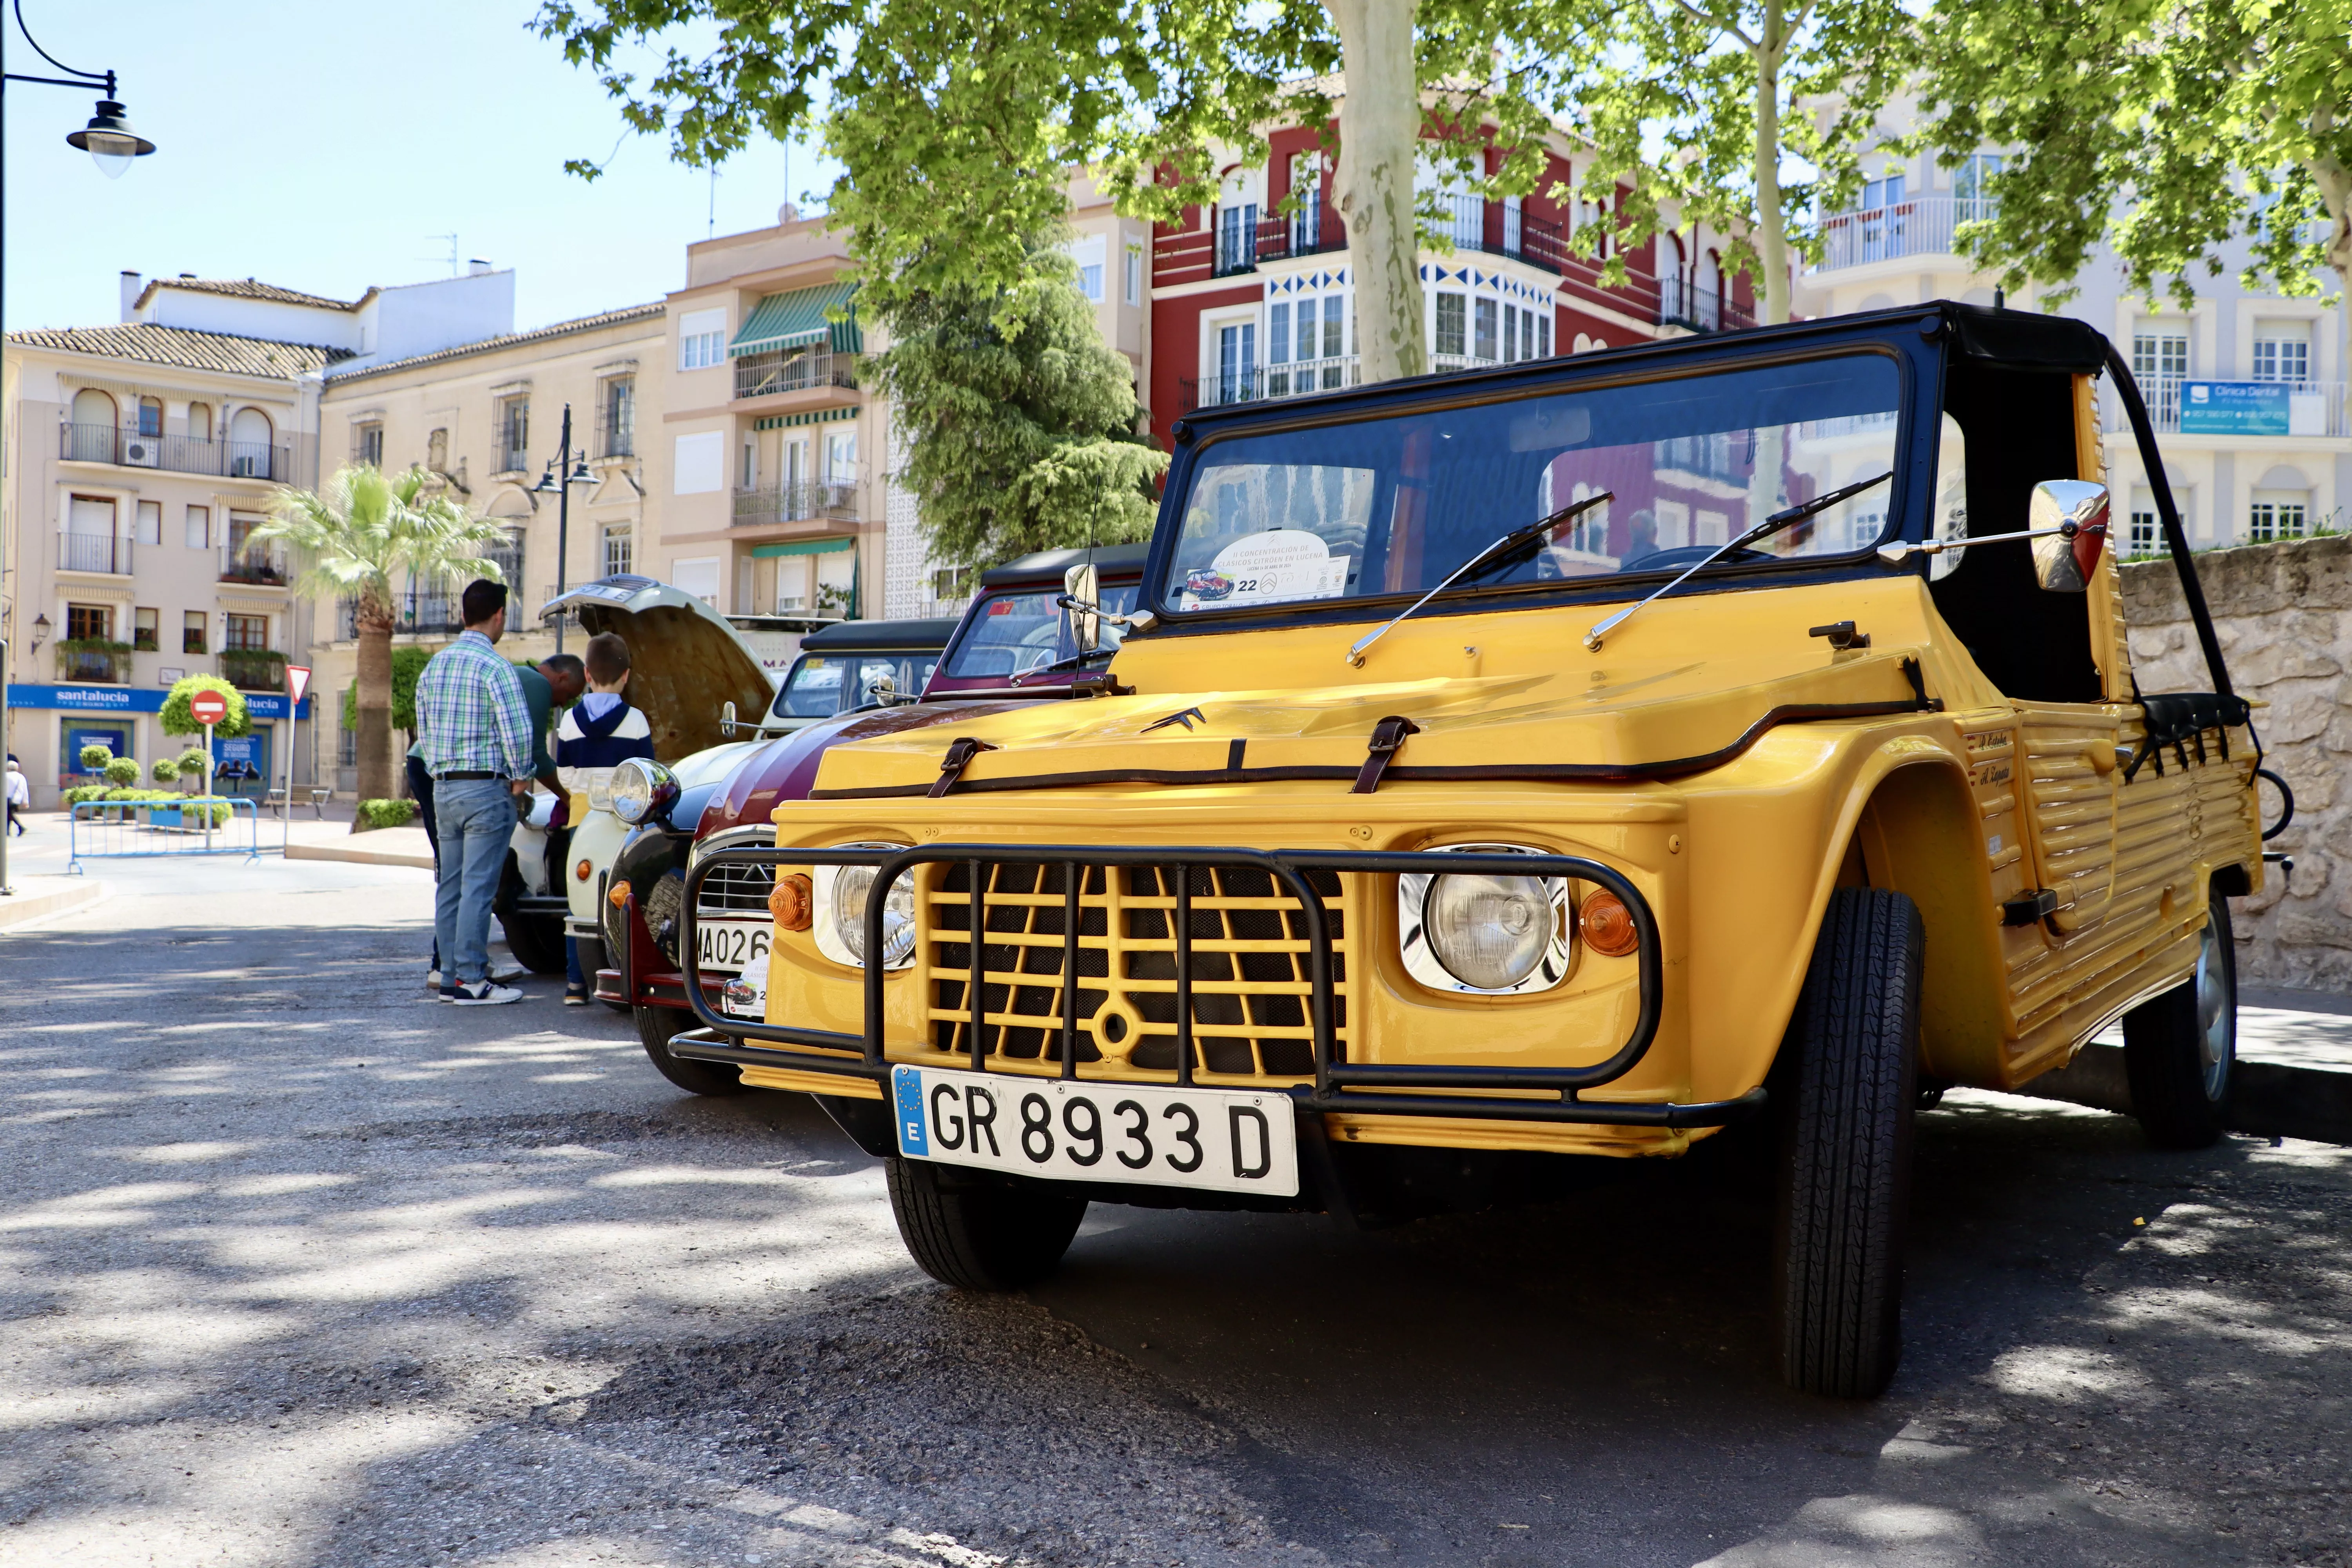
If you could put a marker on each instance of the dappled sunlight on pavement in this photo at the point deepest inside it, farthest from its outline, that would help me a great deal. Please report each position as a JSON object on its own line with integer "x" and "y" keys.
{"x": 299, "y": 1268}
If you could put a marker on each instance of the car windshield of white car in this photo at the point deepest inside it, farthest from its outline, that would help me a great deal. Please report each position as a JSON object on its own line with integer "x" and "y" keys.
{"x": 821, "y": 685}
{"x": 1392, "y": 504}
{"x": 1013, "y": 633}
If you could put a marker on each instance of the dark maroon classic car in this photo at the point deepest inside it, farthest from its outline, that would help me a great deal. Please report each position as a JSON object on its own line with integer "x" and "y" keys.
{"x": 1013, "y": 647}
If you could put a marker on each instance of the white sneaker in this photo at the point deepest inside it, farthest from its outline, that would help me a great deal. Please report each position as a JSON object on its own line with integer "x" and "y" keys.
{"x": 502, "y": 973}
{"x": 433, "y": 980}
{"x": 479, "y": 994}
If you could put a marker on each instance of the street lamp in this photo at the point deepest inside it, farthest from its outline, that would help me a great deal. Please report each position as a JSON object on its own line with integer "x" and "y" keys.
{"x": 108, "y": 138}
{"x": 562, "y": 490}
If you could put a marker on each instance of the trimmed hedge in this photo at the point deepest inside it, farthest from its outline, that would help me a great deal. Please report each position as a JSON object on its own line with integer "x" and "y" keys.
{"x": 372, "y": 814}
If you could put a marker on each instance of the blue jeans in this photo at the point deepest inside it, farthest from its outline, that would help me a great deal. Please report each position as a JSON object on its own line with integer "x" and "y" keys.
{"x": 476, "y": 818}
{"x": 572, "y": 976}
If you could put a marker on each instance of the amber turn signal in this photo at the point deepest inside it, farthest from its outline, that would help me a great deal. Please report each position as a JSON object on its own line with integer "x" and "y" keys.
{"x": 583, "y": 869}
{"x": 790, "y": 901}
{"x": 619, "y": 896}
{"x": 1608, "y": 925}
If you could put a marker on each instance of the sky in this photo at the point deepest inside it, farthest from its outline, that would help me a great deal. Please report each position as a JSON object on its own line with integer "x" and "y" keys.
{"x": 329, "y": 146}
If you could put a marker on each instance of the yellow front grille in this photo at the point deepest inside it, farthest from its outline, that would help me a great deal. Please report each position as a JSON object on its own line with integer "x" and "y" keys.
{"x": 1250, "y": 987}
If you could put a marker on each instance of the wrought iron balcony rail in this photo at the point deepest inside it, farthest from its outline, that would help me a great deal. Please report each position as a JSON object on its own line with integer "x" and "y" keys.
{"x": 834, "y": 499}
{"x": 792, "y": 369}
{"x": 178, "y": 454}
{"x": 95, "y": 552}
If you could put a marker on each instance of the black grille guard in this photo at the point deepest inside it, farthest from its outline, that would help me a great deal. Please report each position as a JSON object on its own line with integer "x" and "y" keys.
{"x": 1358, "y": 1089}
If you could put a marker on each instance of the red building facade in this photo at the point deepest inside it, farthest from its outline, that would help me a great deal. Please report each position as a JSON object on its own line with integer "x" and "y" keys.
{"x": 1249, "y": 302}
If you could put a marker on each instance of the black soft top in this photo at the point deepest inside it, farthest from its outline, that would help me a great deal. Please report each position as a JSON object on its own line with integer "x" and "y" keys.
{"x": 1048, "y": 565}
{"x": 866, "y": 637}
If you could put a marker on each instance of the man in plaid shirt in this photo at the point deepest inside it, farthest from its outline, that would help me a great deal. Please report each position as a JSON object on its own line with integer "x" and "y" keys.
{"x": 475, "y": 729}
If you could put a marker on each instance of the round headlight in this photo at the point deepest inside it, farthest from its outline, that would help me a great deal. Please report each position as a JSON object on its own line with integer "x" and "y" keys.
{"x": 641, "y": 789}
{"x": 850, "y": 889}
{"x": 1489, "y": 933}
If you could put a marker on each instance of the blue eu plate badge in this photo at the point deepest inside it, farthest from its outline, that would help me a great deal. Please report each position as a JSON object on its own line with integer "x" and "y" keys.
{"x": 907, "y": 1085}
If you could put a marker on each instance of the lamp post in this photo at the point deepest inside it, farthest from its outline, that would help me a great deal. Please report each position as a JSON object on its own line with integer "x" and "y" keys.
{"x": 577, "y": 474}
{"x": 108, "y": 138}
{"x": 111, "y": 144}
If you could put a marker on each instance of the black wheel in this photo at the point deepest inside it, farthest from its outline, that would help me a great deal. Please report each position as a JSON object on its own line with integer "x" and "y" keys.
{"x": 537, "y": 941}
{"x": 1847, "y": 1098}
{"x": 655, "y": 1027}
{"x": 2180, "y": 1049}
{"x": 975, "y": 1233}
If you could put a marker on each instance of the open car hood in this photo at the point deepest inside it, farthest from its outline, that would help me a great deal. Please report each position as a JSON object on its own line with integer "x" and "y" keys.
{"x": 685, "y": 661}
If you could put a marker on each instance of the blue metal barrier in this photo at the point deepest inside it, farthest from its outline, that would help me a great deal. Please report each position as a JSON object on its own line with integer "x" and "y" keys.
{"x": 101, "y": 828}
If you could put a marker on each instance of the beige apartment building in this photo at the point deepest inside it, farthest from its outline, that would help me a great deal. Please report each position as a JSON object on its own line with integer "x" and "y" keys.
{"x": 485, "y": 419}
{"x": 2245, "y": 389}
{"x": 140, "y": 456}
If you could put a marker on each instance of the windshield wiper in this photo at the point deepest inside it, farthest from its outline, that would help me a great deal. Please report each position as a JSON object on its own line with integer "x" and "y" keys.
{"x": 1077, "y": 662}
{"x": 1518, "y": 539}
{"x": 1764, "y": 529}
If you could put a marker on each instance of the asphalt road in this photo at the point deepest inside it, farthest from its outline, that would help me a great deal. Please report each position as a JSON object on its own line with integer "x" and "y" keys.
{"x": 299, "y": 1267}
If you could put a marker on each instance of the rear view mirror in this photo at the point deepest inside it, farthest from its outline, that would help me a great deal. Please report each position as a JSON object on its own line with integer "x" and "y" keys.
{"x": 726, "y": 719}
{"x": 1082, "y": 595}
{"x": 2074, "y": 513}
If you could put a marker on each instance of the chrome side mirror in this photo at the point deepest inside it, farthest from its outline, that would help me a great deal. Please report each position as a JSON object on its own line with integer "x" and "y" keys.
{"x": 882, "y": 690}
{"x": 2069, "y": 518}
{"x": 727, "y": 719}
{"x": 1081, "y": 594}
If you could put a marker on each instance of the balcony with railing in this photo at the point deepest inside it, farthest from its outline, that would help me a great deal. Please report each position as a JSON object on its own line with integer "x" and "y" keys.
{"x": 92, "y": 661}
{"x": 800, "y": 368}
{"x": 1923, "y": 226}
{"x": 833, "y": 500}
{"x": 431, "y": 614}
{"x": 1682, "y": 303}
{"x": 263, "y": 565}
{"x": 2258, "y": 410}
{"x": 253, "y": 669}
{"x": 94, "y": 553}
{"x": 179, "y": 453}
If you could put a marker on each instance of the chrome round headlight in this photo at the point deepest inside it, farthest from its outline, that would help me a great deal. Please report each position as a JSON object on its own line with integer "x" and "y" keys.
{"x": 1485, "y": 933}
{"x": 641, "y": 789}
{"x": 1489, "y": 933}
{"x": 839, "y": 919}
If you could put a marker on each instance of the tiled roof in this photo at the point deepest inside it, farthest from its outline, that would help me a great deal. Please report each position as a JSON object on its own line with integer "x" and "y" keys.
{"x": 490, "y": 345}
{"x": 184, "y": 348}
{"x": 252, "y": 289}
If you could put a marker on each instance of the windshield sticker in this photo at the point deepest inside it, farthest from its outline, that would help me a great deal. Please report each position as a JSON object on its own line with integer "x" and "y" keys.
{"x": 1278, "y": 565}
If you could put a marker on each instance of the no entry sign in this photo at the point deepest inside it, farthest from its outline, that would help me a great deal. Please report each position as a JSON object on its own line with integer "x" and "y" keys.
{"x": 208, "y": 707}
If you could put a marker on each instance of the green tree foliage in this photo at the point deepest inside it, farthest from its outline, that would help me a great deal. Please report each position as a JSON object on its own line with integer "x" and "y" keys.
{"x": 957, "y": 124}
{"x": 408, "y": 662}
{"x": 121, "y": 772}
{"x": 358, "y": 536}
{"x": 95, "y": 756}
{"x": 2167, "y": 128}
{"x": 179, "y": 718}
{"x": 165, "y": 770}
{"x": 1707, "y": 103}
{"x": 1021, "y": 422}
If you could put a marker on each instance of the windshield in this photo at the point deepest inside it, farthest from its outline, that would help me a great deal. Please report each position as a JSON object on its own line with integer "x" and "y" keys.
{"x": 821, "y": 685}
{"x": 1013, "y": 633}
{"x": 1392, "y": 505}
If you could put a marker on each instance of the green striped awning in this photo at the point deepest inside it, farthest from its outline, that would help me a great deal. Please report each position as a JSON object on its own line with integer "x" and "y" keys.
{"x": 786, "y": 320}
{"x": 802, "y": 547}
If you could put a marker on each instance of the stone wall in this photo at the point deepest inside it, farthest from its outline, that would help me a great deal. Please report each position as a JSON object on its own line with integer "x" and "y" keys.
{"x": 2283, "y": 614}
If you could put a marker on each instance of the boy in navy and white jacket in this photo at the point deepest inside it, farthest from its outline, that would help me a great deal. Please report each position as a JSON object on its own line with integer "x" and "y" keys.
{"x": 597, "y": 734}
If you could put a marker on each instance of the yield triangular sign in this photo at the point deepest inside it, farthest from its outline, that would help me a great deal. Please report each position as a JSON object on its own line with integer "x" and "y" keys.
{"x": 298, "y": 681}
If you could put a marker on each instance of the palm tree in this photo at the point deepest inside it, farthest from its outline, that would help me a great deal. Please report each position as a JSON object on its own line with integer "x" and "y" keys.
{"x": 356, "y": 534}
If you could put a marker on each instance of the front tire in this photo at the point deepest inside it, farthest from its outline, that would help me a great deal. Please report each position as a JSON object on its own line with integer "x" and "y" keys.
{"x": 2180, "y": 1049}
{"x": 1849, "y": 1092}
{"x": 655, "y": 1027}
{"x": 536, "y": 941}
{"x": 971, "y": 1233}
